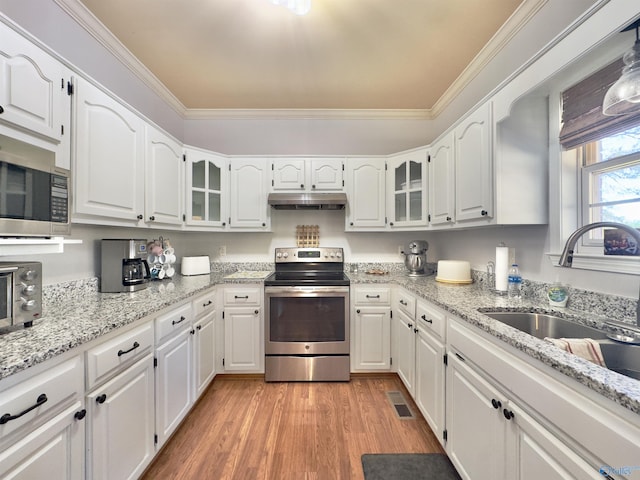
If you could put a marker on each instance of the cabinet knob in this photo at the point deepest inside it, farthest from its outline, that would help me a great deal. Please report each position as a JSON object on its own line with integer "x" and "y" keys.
{"x": 351, "y": 223}
{"x": 358, "y": 311}
{"x": 192, "y": 331}
{"x": 256, "y": 312}
{"x": 313, "y": 186}
{"x": 140, "y": 217}
{"x": 80, "y": 414}
{"x": 152, "y": 218}
{"x": 264, "y": 224}
{"x": 496, "y": 403}
{"x": 410, "y": 325}
{"x": 415, "y": 330}
{"x": 391, "y": 224}
{"x": 508, "y": 414}
{"x": 484, "y": 213}
{"x": 302, "y": 185}
{"x": 448, "y": 219}
{"x": 199, "y": 327}
{"x": 224, "y": 224}
{"x": 101, "y": 398}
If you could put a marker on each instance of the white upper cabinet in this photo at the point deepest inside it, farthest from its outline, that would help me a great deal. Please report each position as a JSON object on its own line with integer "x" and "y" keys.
{"x": 307, "y": 174}
{"x": 32, "y": 86}
{"x": 108, "y": 159}
{"x": 442, "y": 182}
{"x": 474, "y": 167}
{"x": 164, "y": 178}
{"x": 365, "y": 193}
{"x": 407, "y": 189}
{"x": 248, "y": 191}
{"x": 207, "y": 188}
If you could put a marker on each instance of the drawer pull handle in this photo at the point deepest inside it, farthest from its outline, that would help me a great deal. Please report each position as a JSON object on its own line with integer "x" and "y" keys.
{"x": 7, "y": 417}
{"x": 428, "y": 320}
{"x": 174, "y": 322}
{"x": 460, "y": 357}
{"x": 373, "y": 296}
{"x": 124, "y": 352}
{"x": 207, "y": 304}
{"x": 241, "y": 297}
{"x": 101, "y": 398}
{"x": 80, "y": 414}
{"x": 402, "y": 302}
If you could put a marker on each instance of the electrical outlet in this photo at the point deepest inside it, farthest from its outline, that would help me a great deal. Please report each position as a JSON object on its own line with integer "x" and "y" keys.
{"x": 400, "y": 248}
{"x": 222, "y": 250}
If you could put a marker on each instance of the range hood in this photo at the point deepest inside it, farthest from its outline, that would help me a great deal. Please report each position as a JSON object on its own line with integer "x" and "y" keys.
{"x": 308, "y": 201}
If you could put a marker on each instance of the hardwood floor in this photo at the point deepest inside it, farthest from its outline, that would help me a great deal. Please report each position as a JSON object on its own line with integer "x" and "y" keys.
{"x": 244, "y": 428}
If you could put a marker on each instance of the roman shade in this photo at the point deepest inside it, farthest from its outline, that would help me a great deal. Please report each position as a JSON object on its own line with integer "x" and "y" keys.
{"x": 582, "y": 117}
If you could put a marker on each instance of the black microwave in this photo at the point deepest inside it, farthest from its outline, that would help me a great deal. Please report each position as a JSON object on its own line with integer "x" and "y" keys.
{"x": 34, "y": 193}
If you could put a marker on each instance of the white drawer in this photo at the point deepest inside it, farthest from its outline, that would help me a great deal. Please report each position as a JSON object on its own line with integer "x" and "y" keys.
{"x": 242, "y": 296}
{"x": 373, "y": 296}
{"x": 406, "y": 302}
{"x": 114, "y": 355}
{"x": 431, "y": 318}
{"x": 172, "y": 322}
{"x": 48, "y": 393}
{"x": 204, "y": 303}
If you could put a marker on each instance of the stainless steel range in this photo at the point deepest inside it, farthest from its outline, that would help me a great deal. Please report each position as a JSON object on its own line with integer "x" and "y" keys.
{"x": 307, "y": 316}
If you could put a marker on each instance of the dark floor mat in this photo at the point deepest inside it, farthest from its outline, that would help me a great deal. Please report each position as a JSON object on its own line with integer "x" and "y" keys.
{"x": 408, "y": 466}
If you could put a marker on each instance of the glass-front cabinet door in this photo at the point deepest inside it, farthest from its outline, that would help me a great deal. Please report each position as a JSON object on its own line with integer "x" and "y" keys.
{"x": 407, "y": 189}
{"x": 206, "y": 184}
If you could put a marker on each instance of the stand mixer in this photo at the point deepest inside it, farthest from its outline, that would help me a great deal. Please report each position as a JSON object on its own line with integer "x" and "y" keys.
{"x": 415, "y": 258}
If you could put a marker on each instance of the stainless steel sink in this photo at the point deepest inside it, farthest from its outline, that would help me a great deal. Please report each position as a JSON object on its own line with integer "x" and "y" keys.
{"x": 619, "y": 357}
{"x": 540, "y": 325}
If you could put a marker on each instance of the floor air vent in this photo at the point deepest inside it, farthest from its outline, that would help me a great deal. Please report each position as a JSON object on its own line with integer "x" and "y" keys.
{"x": 400, "y": 405}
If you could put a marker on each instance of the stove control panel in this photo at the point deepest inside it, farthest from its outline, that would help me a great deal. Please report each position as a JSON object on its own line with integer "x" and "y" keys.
{"x": 309, "y": 255}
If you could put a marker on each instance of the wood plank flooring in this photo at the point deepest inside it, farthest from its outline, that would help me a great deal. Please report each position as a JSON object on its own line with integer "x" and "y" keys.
{"x": 244, "y": 428}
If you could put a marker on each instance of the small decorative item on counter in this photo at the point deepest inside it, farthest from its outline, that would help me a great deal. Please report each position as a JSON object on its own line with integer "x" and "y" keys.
{"x": 308, "y": 236}
{"x": 161, "y": 258}
{"x": 558, "y": 295}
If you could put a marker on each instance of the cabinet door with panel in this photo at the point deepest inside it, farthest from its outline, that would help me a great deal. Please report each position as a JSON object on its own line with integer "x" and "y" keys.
{"x": 249, "y": 180}
{"x": 430, "y": 366}
{"x": 33, "y": 86}
{"x": 164, "y": 179}
{"x": 108, "y": 159}
{"x": 204, "y": 366}
{"x": 207, "y": 186}
{"x": 366, "y": 194}
{"x": 120, "y": 430}
{"x": 326, "y": 174}
{"x": 442, "y": 182}
{"x": 371, "y": 328}
{"x": 407, "y": 189}
{"x": 474, "y": 165}
{"x": 289, "y": 174}
{"x": 243, "y": 329}
{"x": 173, "y": 373}
{"x": 404, "y": 342}
{"x": 53, "y": 450}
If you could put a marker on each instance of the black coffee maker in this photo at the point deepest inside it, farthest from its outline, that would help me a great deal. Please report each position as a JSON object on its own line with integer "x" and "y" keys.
{"x": 124, "y": 267}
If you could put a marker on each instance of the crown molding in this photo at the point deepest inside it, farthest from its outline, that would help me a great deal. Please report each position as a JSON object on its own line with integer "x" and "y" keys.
{"x": 79, "y": 12}
{"x": 308, "y": 114}
{"x": 502, "y": 37}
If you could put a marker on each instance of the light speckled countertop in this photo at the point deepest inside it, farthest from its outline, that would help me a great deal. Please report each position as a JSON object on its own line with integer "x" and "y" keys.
{"x": 85, "y": 316}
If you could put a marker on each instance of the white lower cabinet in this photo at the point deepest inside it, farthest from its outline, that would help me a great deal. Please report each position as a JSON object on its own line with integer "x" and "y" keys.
{"x": 404, "y": 341}
{"x": 507, "y": 419}
{"x": 120, "y": 429}
{"x": 204, "y": 352}
{"x": 430, "y": 366}
{"x": 371, "y": 329}
{"x": 42, "y": 425}
{"x": 243, "y": 330}
{"x": 54, "y": 450}
{"x": 173, "y": 383}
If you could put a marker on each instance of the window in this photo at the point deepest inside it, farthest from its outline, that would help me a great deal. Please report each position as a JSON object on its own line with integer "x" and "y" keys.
{"x": 610, "y": 182}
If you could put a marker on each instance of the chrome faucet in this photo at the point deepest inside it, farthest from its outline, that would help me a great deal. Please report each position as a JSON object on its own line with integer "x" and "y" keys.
{"x": 566, "y": 258}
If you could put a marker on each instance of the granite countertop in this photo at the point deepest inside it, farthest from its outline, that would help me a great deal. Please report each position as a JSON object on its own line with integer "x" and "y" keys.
{"x": 77, "y": 319}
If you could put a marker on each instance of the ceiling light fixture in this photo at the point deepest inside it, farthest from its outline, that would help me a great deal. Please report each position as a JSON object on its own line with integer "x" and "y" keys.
{"x": 299, "y": 7}
{"x": 623, "y": 97}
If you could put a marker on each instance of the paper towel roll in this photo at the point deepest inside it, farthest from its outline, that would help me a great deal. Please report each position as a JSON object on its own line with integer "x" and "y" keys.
{"x": 502, "y": 268}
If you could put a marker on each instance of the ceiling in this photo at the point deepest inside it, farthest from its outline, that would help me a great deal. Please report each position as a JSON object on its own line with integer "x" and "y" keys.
{"x": 344, "y": 54}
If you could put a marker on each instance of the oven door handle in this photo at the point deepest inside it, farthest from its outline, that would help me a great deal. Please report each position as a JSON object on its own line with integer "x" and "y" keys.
{"x": 306, "y": 290}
